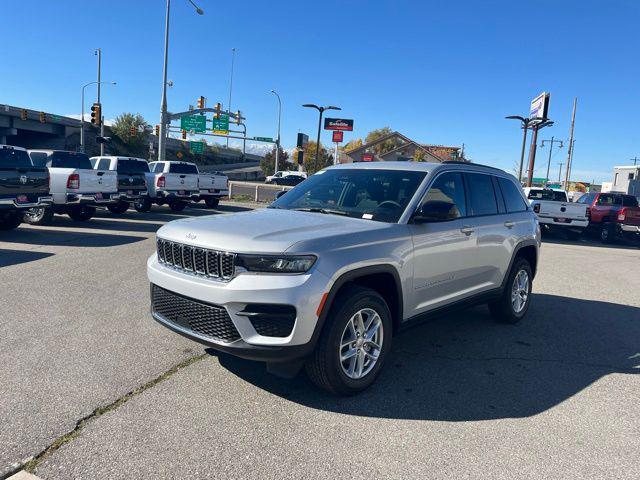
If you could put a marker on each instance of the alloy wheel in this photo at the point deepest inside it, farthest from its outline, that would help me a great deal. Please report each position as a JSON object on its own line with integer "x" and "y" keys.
{"x": 361, "y": 343}
{"x": 520, "y": 291}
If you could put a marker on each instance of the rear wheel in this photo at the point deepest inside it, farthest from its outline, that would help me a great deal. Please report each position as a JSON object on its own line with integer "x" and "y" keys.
{"x": 10, "y": 221}
{"x": 177, "y": 205}
{"x": 353, "y": 344}
{"x": 514, "y": 302}
{"x": 607, "y": 233}
{"x": 212, "y": 202}
{"x": 143, "y": 205}
{"x": 119, "y": 207}
{"x": 38, "y": 216}
{"x": 81, "y": 213}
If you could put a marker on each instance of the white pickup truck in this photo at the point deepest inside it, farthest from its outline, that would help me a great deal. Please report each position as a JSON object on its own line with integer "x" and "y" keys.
{"x": 75, "y": 186}
{"x": 556, "y": 212}
{"x": 173, "y": 183}
{"x": 213, "y": 186}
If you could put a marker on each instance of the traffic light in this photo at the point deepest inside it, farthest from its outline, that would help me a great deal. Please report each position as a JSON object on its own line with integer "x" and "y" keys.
{"x": 132, "y": 131}
{"x": 218, "y": 108}
{"x": 157, "y": 130}
{"x": 96, "y": 114}
{"x": 43, "y": 117}
{"x": 23, "y": 114}
{"x": 201, "y": 102}
{"x": 300, "y": 157}
{"x": 238, "y": 117}
{"x": 184, "y": 134}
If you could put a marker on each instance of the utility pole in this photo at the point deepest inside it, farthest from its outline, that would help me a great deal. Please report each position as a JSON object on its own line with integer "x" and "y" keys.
{"x": 553, "y": 139}
{"x": 532, "y": 155}
{"x": 99, "y": 54}
{"x": 560, "y": 171}
{"x": 635, "y": 160}
{"x": 570, "y": 149}
{"x": 233, "y": 58}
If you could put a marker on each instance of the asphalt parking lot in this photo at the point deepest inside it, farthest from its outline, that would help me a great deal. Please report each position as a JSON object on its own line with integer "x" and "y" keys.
{"x": 92, "y": 387}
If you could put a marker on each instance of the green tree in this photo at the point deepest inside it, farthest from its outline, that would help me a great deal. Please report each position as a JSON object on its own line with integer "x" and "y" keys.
{"x": 419, "y": 155}
{"x": 356, "y": 143}
{"x": 385, "y": 146}
{"x": 267, "y": 164}
{"x": 310, "y": 164}
{"x": 122, "y": 128}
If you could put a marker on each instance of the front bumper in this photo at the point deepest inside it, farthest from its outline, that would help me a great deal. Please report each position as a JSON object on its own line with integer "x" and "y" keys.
{"x": 14, "y": 203}
{"x": 304, "y": 292}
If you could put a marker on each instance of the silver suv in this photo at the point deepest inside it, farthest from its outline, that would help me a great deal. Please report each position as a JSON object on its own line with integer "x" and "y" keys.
{"x": 332, "y": 270}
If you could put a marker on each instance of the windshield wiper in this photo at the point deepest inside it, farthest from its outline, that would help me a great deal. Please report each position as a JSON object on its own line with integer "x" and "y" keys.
{"x": 326, "y": 211}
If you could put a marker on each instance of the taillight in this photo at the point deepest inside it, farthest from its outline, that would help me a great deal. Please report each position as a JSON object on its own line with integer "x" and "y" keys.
{"x": 160, "y": 182}
{"x": 622, "y": 215}
{"x": 73, "y": 181}
{"x": 536, "y": 208}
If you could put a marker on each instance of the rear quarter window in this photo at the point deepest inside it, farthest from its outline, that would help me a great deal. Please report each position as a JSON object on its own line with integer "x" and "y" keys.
{"x": 512, "y": 196}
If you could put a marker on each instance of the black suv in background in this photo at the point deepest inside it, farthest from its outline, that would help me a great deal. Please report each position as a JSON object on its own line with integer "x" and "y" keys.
{"x": 22, "y": 186}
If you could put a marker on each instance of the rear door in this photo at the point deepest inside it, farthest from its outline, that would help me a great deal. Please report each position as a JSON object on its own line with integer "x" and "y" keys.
{"x": 444, "y": 252}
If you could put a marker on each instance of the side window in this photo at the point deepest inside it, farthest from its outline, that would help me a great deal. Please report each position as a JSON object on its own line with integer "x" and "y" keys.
{"x": 608, "y": 200}
{"x": 447, "y": 192}
{"x": 512, "y": 197}
{"x": 482, "y": 199}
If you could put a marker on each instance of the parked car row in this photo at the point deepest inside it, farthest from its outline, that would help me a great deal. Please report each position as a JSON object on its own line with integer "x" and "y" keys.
{"x": 37, "y": 184}
{"x": 610, "y": 216}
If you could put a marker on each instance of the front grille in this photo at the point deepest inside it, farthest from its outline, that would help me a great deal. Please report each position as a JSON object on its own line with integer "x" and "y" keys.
{"x": 200, "y": 261}
{"x": 209, "y": 320}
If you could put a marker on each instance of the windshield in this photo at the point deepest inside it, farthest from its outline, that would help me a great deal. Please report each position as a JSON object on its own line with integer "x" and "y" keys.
{"x": 69, "y": 160}
{"x": 14, "y": 158}
{"x": 182, "y": 168}
{"x": 547, "y": 194}
{"x": 132, "y": 166}
{"x": 380, "y": 195}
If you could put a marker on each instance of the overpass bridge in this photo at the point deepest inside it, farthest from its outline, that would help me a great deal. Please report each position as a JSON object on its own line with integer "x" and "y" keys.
{"x": 38, "y": 130}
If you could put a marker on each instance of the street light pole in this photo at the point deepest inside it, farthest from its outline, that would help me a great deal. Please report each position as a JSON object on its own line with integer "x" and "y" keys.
{"x": 233, "y": 59}
{"x": 321, "y": 111}
{"x": 278, "y": 137}
{"x": 525, "y": 127}
{"x": 162, "y": 138}
{"x": 82, "y": 112}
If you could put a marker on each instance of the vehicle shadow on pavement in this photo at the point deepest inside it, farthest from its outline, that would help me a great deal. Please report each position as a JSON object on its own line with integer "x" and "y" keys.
{"x": 465, "y": 367}
{"x": 590, "y": 241}
{"x": 16, "y": 257}
{"x": 51, "y": 236}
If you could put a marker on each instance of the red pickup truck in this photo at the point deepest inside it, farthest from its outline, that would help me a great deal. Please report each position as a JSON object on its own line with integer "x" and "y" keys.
{"x": 613, "y": 215}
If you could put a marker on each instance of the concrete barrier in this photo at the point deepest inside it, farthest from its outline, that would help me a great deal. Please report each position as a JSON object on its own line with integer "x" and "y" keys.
{"x": 260, "y": 192}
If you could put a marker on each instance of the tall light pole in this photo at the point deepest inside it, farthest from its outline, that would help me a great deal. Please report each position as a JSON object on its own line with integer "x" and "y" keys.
{"x": 525, "y": 126}
{"x": 162, "y": 138}
{"x": 82, "y": 112}
{"x": 278, "y": 137}
{"x": 567, "y": 169}
{"x": 552, "y": 141}
{"x": 543, "y": 122}
{"x": 321, "y": 111}
{"x": 233, "y": 59}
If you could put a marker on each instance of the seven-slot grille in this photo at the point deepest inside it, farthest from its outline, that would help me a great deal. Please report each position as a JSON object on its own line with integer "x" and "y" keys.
{"x": 201, "y": 261}
{"x": 209, "y": 320}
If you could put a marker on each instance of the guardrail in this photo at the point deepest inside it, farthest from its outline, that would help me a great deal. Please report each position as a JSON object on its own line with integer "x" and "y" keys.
{"x": 261, "y": 192}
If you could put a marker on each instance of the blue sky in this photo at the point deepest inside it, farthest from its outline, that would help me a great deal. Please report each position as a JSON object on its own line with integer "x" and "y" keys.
{"x": 439, "y": 72}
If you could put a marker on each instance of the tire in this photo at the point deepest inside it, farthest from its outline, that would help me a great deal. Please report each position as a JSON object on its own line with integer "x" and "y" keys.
{"x": 325, "y": 369}
{"x": 177, "y": 205}
{"x": 119, "y": 207}
{"x": 504, "y": 310}
{"x": 10, "y": 221}
{"x": 38, "y": 216}
{"x": 143, "y": 205}
{"x": 607, "y": 233}
{"x": 81, "y": 213}
{"x": 212, "y": 202}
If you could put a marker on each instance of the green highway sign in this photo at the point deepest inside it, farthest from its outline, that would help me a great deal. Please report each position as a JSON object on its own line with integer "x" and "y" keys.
{"x": 263, "y": 139}
{"x": 196, "y": 147}
{"x": 221, "y": 125}
{"x": 539, "y": 180}
{"x": 197, "y": 123}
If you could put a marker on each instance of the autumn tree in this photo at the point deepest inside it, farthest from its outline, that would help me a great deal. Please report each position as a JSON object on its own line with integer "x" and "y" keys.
{"x": 310, "y": 164}
{"x": 267, "y": 164}
{"x": 382, "y": 147}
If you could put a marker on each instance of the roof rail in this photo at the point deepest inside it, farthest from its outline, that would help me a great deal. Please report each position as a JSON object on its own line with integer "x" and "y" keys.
{"x": 459, "y": 162}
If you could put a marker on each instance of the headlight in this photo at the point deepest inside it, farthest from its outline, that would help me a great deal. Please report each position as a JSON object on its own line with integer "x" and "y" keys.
{"x": 276, "y": 263}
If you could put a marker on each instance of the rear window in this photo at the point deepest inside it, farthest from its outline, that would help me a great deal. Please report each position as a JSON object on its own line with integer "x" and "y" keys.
{"x": 182, "y": 168}
{"x": 132, "y": 166}
{"x": 547, "y": 194}
{"x": 14, "y": 158}
{"x": 69, "y": 160}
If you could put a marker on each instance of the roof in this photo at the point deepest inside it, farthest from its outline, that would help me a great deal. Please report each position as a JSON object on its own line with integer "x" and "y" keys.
{"x": 420, "y": 166}
{"x": 632, "y": 167}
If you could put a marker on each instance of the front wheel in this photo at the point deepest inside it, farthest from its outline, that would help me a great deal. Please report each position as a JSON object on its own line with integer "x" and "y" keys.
{"x": 81, "y": 213}
{"x": 10, "y": 221}
{"x": 354, "y": 342}
{"x": 514, "y": 302}
{"x": 38, "y": 216}
{"x": 177, "y": 205}
{"x": 212, "y": 202}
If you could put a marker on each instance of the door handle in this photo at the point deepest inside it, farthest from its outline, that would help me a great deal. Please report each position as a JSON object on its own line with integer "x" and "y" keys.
{"x": 467, "y": 230}
{"x": 509, "y": 224}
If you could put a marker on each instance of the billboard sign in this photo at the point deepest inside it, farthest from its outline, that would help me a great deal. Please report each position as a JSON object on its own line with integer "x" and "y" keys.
{"x": 338, "y": 136}
{"x": 340, "y": 124}
{"x": 540, "y": 106}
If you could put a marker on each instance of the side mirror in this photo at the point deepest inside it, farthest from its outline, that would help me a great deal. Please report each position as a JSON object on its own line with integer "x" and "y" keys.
{"x": 436, "y": 211}
{"x": 280, "y": 193}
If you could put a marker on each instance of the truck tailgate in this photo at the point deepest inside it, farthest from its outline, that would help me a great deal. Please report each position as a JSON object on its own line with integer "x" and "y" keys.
{"x": 30, "y": 181}
{"x": 573, "y": 211}
{"x": 181, "y": 181}
{"x": 94, "y": 181}
{"x": 209, "y": 182}
{"x": 632, "y": 216}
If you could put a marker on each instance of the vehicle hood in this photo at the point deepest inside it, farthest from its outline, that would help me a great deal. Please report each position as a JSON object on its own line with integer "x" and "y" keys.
{"x": 266, "y": 230}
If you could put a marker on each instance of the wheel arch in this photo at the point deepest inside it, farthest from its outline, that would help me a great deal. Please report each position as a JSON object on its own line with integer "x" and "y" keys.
{"x": 527, "y": 249}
